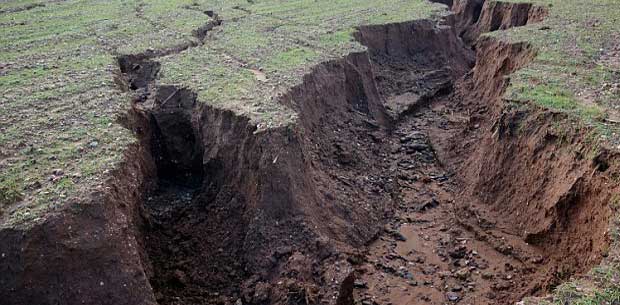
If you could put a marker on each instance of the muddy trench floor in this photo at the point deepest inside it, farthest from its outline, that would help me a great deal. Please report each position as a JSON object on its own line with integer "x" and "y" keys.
{"x": 428, "y": 254}
{"x": 192, "y": 246}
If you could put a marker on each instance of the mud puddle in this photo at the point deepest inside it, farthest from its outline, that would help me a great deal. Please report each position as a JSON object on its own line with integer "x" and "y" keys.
{"x": 429, "y": 253}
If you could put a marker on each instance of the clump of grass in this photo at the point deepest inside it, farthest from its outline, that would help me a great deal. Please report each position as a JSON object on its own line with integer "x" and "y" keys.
{"x": 555, "y": 97}
{"x": 9, "y": 194}
{"x": 572, "y": 294}
{"x": 569, "y": 73}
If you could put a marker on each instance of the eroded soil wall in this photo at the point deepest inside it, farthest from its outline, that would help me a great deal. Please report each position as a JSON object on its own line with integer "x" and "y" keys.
{"x": 88, "y": 253}
{"x": 543, "y": 179}
{"x": 262, "y": 197}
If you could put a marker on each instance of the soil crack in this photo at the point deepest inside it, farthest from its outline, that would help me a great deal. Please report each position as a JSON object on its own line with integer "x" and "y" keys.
{"x": 378, "y": 160}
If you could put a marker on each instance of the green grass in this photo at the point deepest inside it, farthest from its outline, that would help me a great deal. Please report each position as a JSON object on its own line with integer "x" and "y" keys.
{"x": 601, "y": 287}
{"x": 569, "y": 295}
{"x": 555, "y": 97}
{"x": 572, "y": 72}
{"x": 57, "y": 61}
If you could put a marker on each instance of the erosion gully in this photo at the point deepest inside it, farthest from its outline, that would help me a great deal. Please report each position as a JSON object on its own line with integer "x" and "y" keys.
{"x": 377, "y": 194}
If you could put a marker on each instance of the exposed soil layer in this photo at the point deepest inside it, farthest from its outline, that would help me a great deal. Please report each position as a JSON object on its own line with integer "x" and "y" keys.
{"x": 230, "y": 230}
{"x": 406, "y": 179}
{"x": 494, "y": 207}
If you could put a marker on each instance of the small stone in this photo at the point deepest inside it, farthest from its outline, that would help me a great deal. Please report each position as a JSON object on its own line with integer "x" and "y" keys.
{"x": 414, "y": 147}
{"x": 93, "y": 144}
{"x": 501, "y": 286}
{"x": 355, "y": 259}
{"x": 407, "y": 275}
{"x": 461, "y": 263}
{"x": 397, "y": 235}
{"x": 458, "y": 252}
{"x": 445, "y": 274}
{"x": 360, "y": 284}
{"x": 239, "y": 302}
{"x": 283, "y": 251}
{"x": 452, "y": 296}
{"x": 462, "y": 273}
{"x": 180, "y": 276}
{"x": 487, "y": 275}
{"x": 537, "y": 260}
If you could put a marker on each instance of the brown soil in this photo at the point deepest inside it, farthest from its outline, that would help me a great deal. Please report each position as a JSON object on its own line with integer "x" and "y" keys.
{"x": 407, "y": 179}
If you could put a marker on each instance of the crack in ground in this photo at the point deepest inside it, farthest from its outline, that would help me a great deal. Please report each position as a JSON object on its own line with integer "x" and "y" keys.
{"x": 434, "y": 249}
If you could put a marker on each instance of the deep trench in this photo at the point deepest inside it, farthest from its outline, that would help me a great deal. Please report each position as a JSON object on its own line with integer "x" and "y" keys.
{"x": 269, "y": 217}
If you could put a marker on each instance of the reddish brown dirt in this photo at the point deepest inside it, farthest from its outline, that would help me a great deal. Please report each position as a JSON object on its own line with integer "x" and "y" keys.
{"x": 406, "y": 180}
{"x": 447, "y": 244}
{"x": 475, "y": 17}
{"x": 491, "y": 211}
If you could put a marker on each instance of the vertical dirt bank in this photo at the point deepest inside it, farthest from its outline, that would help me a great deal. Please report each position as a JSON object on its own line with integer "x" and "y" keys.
{"x": 414, "y": 61}
{"x": 237, "y": 210}
{"x": 475, "y": 17}
{"x": 88, "y": 253}
{"x": 541, "y": 179}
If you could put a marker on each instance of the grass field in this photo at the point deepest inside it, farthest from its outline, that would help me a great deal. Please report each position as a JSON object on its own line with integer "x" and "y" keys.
{"x": 59, "y": 135}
